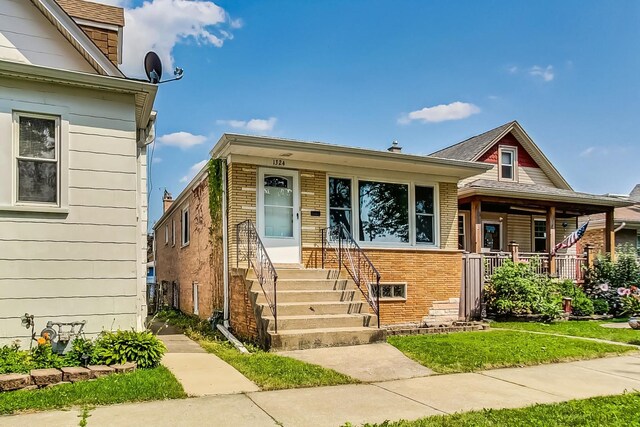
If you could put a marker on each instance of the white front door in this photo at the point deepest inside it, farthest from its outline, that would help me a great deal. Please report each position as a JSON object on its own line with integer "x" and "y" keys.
{"x": 279, "y": 214}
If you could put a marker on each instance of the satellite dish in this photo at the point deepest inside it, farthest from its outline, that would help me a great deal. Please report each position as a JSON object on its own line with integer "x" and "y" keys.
{"x": 153, "y": 67}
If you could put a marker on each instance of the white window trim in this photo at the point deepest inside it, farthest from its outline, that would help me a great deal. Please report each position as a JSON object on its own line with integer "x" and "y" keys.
{"x": 173, "y": 232}
{"x": 184, "y": 225}
{"x": 501, "y": 225}
{"x": 394, "y": 298}
{"x": 463, "y": 215}
{"x": 166, "y": 234}
{"x": 514, "y": 166}
{"x": 355, "y": 211}
{"x": 60, "y": 154}
{"x": 533, "y": 233}
{"x": 195, "y": 296}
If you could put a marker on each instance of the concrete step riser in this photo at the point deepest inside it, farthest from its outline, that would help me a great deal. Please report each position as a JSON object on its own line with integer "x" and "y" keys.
{"x": 445, "y": 306}
{"x": 325, "y": 339}
{"x": 317, "y": 323}
{"x": 433, "y": 312}
{"x": 308, "y": 285}
{"x": 314, "y": 308}
{"x": 300, "y": 274}
{"x": 310, "y": 297}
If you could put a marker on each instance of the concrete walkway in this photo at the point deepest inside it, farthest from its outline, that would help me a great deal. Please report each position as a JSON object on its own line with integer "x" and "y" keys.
{"x": 367, "y": 362}
{"x": 391, "y": 400}
{"x": 199, "y": 372}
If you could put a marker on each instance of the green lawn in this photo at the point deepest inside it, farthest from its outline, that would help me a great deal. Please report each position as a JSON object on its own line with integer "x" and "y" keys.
{"x": 269, "y": 371}
{"x": 613, "y": 411}
{"x": 474, "y": 351}
{"x": 141, "y": 385}
{"x": 589, "y": 329}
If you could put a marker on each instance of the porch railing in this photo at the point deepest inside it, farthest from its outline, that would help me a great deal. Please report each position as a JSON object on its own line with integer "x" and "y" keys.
{"x": 493, "y": 260}
{"x": 339, "y": 241}
{"x": 249, "y": 248}
{"x": 571, "y": 266}
{"x": 538, "y": 260}
{"x": 568, "y": 266}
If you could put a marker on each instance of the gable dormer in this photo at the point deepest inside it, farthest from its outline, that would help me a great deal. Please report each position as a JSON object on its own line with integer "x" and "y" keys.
{"x": 516, "y": 158}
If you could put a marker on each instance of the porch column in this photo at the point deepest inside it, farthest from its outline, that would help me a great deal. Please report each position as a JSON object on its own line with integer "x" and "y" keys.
{"x": 476, "y": 226}
{"x": 609, "y": 235}
{"x": 551, "y": 238}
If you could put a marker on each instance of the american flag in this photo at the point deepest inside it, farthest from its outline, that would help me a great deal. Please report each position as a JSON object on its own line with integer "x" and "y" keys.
{"x": 572, "y": 238}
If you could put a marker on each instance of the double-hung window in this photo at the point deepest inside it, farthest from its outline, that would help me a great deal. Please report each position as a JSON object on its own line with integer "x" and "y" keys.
{"x": 340, "y": 202}
{"x": 185, "y": 226}
{"x": 173, "y": 232}
{"x": 166, "y": 234}
{"x": 539, "y": 235}
{"x": 461, "y": 233}
{"x": 37, "y": 159}
{"x": 507, "y": 164}
{"x": 424, "y": 215}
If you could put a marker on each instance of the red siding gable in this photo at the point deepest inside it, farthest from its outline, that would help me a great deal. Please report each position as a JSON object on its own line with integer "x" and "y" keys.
{"x": 524, "y": 159}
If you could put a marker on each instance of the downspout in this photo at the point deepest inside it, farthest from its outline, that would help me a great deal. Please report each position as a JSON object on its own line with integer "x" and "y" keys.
{"x": 620, "y": 227}
{"x": 225, "y": 247}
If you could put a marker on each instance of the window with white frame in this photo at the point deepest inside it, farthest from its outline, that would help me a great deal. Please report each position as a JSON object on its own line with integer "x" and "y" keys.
{"x": 166, "y": 234}
{"x": 173, "y": 232}
{"x": 37, "y": 159}
{"x": 539, "y": 235}
{"x": 425, "y": 211}
{"x": 185, "y": 226}
{"x": 461, "y": 233}
{"x": 391, "y": 291}
{"x": 340, "y": 211}
{"x": 384, "y": 212}
{"x": 507, "y": 163}
{"x": 381, "y": 213}
{"x": 195, "y": 298}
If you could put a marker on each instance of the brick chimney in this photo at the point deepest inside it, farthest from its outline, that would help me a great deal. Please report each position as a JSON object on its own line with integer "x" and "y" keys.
{"x": 102, "y": 23}
{"x": 395, "y": 148}
{"x": 167, "y": 201}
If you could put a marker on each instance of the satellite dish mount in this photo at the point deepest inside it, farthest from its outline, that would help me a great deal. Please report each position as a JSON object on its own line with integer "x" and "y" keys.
{"x": 153, "y": 69}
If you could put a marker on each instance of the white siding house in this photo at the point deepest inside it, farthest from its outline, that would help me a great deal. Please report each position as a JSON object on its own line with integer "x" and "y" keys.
{"x": 73, "y": 192}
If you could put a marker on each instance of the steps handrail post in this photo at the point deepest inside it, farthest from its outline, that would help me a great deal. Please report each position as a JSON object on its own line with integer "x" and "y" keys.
{"x": 323, "y": 235}
{"x": 378, "y": 297}
{"x": 339, "y": 251}
{"x": 275, "y": 303}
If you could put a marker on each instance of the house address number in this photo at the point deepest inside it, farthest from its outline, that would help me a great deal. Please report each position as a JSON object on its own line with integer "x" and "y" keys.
{"x": 278, "y": 162}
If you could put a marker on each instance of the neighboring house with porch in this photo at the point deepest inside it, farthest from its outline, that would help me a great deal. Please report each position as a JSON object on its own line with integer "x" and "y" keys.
{"x": 73, "y": 214}
{"x": 289, "y": 213}
{"x": 523, "y": 199}
{"x": 626, "y": 223}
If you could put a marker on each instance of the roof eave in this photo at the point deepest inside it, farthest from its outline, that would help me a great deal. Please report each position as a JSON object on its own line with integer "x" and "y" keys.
{"x": 200, "y": 176}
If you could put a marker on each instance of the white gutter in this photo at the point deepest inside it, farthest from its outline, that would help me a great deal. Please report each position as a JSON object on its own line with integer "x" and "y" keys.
{"x": 620, "y": 227}
{"x": 225, "y": 241}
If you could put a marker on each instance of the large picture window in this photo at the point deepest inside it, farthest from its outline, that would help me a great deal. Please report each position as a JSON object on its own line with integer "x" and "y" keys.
{"x": 340, "y": 202}
{"x": 424, "y": 215}
{"x": 384, "y": 212}
{"x": 37, "y": 158}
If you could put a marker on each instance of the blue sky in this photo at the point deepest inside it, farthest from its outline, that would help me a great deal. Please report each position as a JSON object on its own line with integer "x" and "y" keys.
{"x": 352, "y": 72}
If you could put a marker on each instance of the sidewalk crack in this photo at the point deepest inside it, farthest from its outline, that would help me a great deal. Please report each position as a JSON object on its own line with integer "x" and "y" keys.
{"x": 263, "y": 410}
{"x": 410, "y": 398}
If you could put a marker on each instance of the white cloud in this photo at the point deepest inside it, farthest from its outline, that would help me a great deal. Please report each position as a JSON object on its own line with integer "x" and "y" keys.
{"x": 156, "y": 160}
{"x": 160, "y": 25}
{"x": 182, "y": 140}
{"x": 587, "y": 152}
{"x": 193, "y": 171}
{"x": 253, "y": 125}
{"x": 440, "y": 113}
{"x": 513, "y": 69}
{"x": 546, "y": 74}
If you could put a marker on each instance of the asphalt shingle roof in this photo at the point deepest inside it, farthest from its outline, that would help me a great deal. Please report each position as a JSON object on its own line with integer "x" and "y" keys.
{"x": 470, "y": 148}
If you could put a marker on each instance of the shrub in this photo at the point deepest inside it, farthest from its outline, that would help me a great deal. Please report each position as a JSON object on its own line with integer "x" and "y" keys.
{"x": 81, "y": 353}
{"x": 44, "y": 357}
{"x": 630, "y": 305}
{"x": 581, "y": 305}
{"x": 14, "y": 360}
{"x": 516, "y": 289}
{"x": 144, "y": 348}
{"x": 600, "y": 306}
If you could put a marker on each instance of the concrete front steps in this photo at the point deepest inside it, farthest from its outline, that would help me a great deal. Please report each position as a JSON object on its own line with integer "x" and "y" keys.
{"x": 316, "y": 308}
{"x": 443, "y": 313}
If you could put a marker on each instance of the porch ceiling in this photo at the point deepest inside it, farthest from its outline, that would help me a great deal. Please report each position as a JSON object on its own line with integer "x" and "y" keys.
{"x": 526, "y": 196}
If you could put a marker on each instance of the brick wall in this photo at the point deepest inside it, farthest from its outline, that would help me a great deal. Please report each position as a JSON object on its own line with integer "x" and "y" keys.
{"x": 200, "y": 261}
{"x": 242, "y": 317}
{"x": 313, "y": 189}
{"x": 448, "y": 216}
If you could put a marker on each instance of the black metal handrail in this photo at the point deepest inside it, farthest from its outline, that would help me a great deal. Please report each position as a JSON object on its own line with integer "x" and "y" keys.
{"x": 249, "y": 247}
{"x": 351, "y": 256}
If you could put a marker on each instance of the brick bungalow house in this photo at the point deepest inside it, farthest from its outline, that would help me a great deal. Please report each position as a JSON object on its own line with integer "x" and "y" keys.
{"x": 289, "y": 210}
{"x": 523, "y": 201}
{"x": 626, "y": 222}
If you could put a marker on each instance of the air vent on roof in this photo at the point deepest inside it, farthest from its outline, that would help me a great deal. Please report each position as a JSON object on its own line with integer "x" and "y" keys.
{"x": 395, "y": 148}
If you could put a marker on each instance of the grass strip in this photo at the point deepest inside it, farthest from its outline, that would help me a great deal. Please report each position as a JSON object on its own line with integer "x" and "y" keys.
{"x": 474, "y": 351}
{"x": 141, "y": 385}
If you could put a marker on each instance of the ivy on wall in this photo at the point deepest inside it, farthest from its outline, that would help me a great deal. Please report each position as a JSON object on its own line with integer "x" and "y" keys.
{"x": 215, "y": 193}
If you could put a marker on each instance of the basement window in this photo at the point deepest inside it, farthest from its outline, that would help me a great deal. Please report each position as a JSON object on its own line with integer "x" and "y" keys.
{"x": 393, "y": 291}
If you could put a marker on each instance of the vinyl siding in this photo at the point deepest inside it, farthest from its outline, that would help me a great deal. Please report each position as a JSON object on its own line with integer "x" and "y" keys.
{"x": 519, "y": 229}
{"x": 27, "y": 36}
{"x": 90, "y": 263}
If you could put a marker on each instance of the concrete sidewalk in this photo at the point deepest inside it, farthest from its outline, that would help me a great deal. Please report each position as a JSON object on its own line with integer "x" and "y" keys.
{"x": 391, "y": 400}
{"x": 199, "y": 372}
